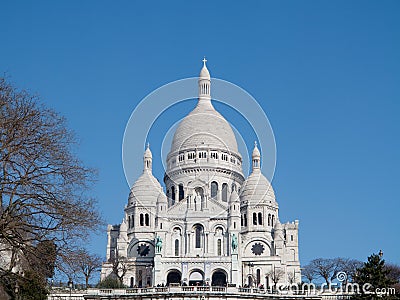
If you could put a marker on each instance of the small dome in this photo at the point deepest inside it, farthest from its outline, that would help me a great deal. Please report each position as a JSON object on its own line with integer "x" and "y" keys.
{"x": 146, "y": 189}
{"x": 234, "y": 196}
{"x": 257, "y": 189}
{"x": 256, "y": 152}
{"x": 278, "y": 225}
{"x": 162, "y": 198}
{"x": 147, "y": 153}
{"x": 204, "y": 73}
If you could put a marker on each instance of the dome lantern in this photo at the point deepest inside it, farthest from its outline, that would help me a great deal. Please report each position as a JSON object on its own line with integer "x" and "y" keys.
{"x": 204, "y": 83}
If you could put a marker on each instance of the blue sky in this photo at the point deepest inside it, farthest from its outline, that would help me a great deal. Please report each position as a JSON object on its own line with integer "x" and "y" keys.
{"x": 325, "y": 72}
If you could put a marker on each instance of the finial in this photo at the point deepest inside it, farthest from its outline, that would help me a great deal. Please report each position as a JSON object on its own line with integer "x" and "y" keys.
{"x": 204, "y": 61}
{"x": 148, "y": 145}
{"x": 255, "y": 144}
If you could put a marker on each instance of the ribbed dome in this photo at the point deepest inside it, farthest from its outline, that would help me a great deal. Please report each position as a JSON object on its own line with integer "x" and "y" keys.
{"x": 257, "y": 188}
{"x": 146, "y": 189}
{"x": 204, "y": 126}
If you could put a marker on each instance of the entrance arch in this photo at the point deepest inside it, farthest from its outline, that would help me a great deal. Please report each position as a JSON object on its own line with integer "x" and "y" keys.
{"x": 174, "y": 276}
{"x": 219, "y": 278}
{"x": 196, "y": 278}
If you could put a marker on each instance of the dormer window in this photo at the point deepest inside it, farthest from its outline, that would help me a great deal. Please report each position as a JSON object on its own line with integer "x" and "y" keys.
{"x": 202, "y": 154}
{"x": 224, "y": 157}
{"x": 214, "y": 155}
{"x": 181, "y": 157}
{"x": 191, "y": 155}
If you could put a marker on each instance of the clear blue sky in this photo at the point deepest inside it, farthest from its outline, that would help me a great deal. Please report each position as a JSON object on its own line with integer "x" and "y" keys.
{"x": 327, "y": 73}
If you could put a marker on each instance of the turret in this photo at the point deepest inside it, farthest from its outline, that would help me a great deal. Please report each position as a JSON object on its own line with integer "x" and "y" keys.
{"x": 147, "y": 159}
{"x": 256, "y": 159}
{"x": 278, "y": 238}
{"x": 234, "y": 212}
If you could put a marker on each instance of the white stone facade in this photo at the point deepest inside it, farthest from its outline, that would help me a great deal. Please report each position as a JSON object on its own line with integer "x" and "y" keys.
{"x": 213, "y": 225}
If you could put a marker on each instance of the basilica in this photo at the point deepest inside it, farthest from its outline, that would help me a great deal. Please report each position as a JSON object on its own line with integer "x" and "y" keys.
{"x": 209, "y": 224}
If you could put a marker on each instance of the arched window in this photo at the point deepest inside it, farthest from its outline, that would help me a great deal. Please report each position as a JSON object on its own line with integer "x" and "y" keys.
{"x": 129, "y": 221}
{"x": 132, "y": 221}
{"x": 177, "y": 247}
{"x": 147, "y": 219}
{"x": 259, "y": 218}
{"x": 269, "y": 219}
{"x": 241, "y": 220}
{"x": 181, "y": 192}
{"x": 245, "y": 220}
{"x": 219, "y": 247}
{"x": 198, "y": 234}
{"x": 224, "y": 192}
{"x": 173, "y": 193}
{"x": 272, "y": 220}
{"x": 258, "y": 276}
{"x": 233, "y": 187}
{"x": 214, "y": 189}
{"x": 141, "y": 220}
{"x": 131, "y": 285}
{"x": 254, "y": 218}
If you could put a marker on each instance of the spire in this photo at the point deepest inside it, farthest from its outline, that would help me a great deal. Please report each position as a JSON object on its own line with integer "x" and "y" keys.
{"x": 256, "y": 158}
{"x": 204, "y": 83}
{"x": 147, "y": 159}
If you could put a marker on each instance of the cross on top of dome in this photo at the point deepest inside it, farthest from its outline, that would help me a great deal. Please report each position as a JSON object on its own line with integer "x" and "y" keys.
{"x": 204, "y": 73}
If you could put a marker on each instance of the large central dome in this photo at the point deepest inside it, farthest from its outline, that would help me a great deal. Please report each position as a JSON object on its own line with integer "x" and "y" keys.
{"x": 204, "y": 126}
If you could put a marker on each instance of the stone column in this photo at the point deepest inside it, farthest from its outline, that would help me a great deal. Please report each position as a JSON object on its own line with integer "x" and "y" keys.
{"x": 188, "y": 243}
{"x": 157, "y": 276}
{"x": 235, "y": 270}
{"x": 206, "y": 242}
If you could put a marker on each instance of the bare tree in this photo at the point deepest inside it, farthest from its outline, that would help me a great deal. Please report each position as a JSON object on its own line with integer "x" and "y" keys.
{"x": 85, "y": 264}
{"x": 119, "y": 267}
{"x": 308, "y": 272}
{"x": 291, "y": 278}
{"x": 394, "y": 272}
{"x": 43, "y": 185}
{"x": 350, "y": 267}
{"x": 325, "y": 268}
{"x": 276, "y": 274}
{"x": 394, "y": 275}
{"x": 328, "y": 269}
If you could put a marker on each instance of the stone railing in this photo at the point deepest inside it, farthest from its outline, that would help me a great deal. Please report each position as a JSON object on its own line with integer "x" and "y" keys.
{"x": 180, "y": 289}
{"x": 230, "y": 291}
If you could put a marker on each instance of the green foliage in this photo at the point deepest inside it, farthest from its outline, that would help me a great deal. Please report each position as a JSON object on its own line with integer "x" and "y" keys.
{"x": 33, "y": 287}
{"x": 110, "y": 282}
{"x": 374, "y": 275}
{"x": 42, "y": 258}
